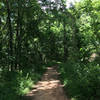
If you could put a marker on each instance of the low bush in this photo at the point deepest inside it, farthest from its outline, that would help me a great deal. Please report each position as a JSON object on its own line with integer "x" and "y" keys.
{"x": 81, "y": 81}
{"x": 13, "y": 85}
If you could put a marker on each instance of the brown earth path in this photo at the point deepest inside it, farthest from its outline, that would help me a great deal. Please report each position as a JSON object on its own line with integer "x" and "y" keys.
{"x": 49, "y": 88}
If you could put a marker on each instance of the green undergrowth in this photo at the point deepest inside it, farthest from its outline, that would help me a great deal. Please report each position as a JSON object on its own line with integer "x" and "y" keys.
{"x": 15, "y": 84}
{"x": 51, "y": 63}
{"x": 81, "y": 80}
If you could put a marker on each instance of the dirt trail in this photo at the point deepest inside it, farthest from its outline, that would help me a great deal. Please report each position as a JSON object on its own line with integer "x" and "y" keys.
{"x": 49, "y": 88}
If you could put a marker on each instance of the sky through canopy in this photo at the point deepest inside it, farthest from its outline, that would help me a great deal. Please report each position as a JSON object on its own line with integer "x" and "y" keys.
{"x": 69, "y": 2}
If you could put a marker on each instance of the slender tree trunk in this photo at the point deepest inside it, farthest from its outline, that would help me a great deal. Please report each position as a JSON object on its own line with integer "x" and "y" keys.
{"x": 65, "y": 43}
{"x": 0, "y": 41}
{"x": 10, "y": 33}
{"x": 18, "y": 36}
{"x": 19, "y": 41}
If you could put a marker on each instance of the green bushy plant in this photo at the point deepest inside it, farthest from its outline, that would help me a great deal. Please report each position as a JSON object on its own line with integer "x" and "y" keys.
{"x": 81, "y": 80}
{"x": 15, "y": 84}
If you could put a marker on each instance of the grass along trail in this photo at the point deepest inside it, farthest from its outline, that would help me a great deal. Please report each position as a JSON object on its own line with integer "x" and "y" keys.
{"x": 49, "y": 88}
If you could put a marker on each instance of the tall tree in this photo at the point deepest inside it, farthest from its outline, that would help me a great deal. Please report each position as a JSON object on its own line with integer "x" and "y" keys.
{"x": 10, "y": 33}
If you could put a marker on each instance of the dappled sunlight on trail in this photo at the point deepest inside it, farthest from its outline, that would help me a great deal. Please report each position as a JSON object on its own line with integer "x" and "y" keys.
{"x": 49, "y": 88}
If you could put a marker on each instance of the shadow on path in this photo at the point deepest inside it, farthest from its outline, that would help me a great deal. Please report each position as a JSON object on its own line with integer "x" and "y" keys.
{"x": 49, "y": 88}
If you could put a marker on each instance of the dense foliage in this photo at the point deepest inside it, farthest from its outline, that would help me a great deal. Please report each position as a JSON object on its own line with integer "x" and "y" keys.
{"x": 33, "y": 33}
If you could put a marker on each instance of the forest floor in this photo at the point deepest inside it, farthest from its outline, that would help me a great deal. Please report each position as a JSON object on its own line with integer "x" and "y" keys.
{"x": 49, "y": 88}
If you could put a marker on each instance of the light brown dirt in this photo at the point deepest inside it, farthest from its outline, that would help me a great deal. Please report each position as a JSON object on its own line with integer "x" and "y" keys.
{"x": 49, "y": 88}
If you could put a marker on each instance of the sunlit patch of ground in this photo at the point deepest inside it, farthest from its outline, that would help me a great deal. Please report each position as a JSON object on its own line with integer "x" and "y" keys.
{"x": 49, "y": 88}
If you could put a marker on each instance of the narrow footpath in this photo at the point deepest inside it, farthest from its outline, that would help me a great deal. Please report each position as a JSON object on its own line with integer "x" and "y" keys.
{"x": 49, "y": 88}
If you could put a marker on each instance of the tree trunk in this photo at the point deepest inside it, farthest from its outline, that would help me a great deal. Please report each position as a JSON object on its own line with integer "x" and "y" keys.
{"x": 18, "y": 36}
{"x": 65, "y": 42}
{"x": 10, "y": 34}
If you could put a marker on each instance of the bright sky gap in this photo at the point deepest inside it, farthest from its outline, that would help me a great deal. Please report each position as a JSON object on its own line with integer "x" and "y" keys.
{"x": 69, "y": 3}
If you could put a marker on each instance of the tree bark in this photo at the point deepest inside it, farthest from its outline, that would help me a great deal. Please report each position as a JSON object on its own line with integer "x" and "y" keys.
{"x": 10, "y": 34}
{"x": 65, "y": 43}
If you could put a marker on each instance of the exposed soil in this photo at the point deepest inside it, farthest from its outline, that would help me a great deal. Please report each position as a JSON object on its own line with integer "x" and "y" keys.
{"x": 49, "y": 88}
